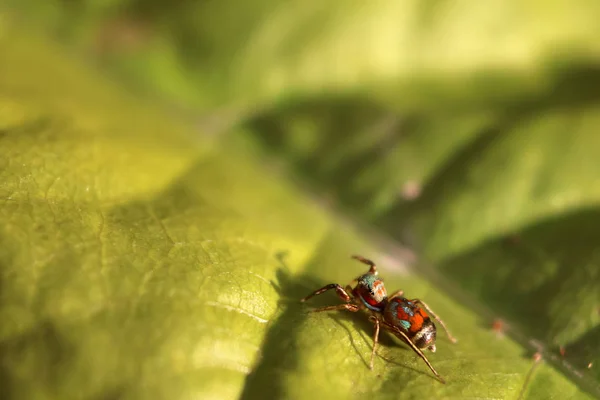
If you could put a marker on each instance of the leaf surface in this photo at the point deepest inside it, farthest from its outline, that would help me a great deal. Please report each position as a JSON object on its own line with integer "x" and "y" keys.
{"x": 139, "y": 260}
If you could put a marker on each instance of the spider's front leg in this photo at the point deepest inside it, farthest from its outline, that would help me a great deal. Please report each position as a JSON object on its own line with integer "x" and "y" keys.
{"x": 346, "y": 306}
{"x": 371, "y": 264}
{"x": 375, "y": 321}
{"x": 342, "y": 294}
{"x": 340, "y": 291}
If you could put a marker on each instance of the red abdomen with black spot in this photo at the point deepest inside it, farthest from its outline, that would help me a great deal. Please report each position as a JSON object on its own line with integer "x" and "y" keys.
{"x": 412, "y": 319}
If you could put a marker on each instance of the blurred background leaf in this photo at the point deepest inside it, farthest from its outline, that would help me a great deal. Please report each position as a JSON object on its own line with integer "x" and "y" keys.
{"x": 408, "y": 55}
{"x": 465, "y": 129}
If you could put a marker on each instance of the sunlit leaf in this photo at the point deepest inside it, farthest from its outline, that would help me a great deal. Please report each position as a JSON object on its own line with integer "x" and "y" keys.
{"x": 140, "y": 259}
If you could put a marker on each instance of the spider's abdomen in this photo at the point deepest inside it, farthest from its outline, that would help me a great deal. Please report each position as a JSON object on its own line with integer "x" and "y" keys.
{"x": 412, "y": 320}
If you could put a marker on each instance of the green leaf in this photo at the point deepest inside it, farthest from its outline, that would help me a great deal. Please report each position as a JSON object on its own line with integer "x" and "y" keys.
{"x": 410, "y": 54}
{"x": 506, "y": 206}
{"x": 139, "y": 259}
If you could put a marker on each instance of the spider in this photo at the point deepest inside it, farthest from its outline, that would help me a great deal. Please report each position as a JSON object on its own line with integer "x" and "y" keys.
{"x": 407, "y": 319}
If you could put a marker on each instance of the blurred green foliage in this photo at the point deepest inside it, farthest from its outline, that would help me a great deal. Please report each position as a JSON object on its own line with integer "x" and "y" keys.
{"x": 407, "y": 55}
{"x": 468, "y": 129}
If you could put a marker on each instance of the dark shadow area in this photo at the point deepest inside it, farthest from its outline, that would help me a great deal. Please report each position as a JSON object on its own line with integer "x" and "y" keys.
{"x": 51, "y": 350}
{"x": 6, "y": 381}
{"x": 573, "y": 89}
{"x": 535, "y": 271}
{"x": 584, "y": 353}
{"x": 347, "y": 141}
{"x": 279, "y": 349}
{"x": 395, "y": 381}
{"x": 329, "y": 117}
{"x": 398, "y": 217}
{"x": 574, "y": 86}
{"x": 327, "y": 163}
{"x": 364, "y": 327}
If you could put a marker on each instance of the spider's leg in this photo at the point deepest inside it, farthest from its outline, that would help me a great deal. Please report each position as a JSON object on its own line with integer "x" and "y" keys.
{"x": 342, "y": 294}
{"x": 373, "y": 269}
{"x": 426, "y": 307}
{"x": 345, "y": 306}
{"x": 375, "y": 320}
{"x": 402, "y": 336}
{"x": 397, "y": 293}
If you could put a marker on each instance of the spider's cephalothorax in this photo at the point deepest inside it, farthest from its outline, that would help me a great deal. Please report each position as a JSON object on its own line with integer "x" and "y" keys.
{"x": 406, "y": 319}
{"x": 370, "y": 290}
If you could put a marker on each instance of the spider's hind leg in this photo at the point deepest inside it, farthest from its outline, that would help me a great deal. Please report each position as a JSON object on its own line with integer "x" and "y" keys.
{"x": 434, "y": 315}
{"x": 402, "y": 336}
